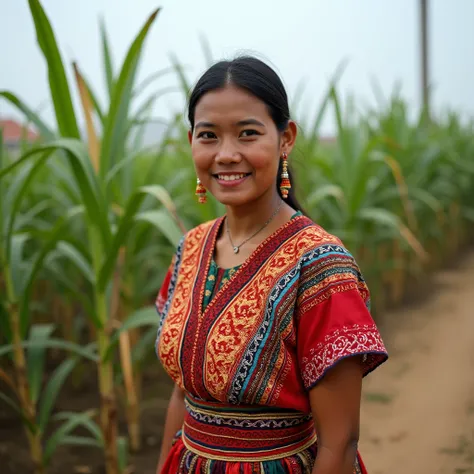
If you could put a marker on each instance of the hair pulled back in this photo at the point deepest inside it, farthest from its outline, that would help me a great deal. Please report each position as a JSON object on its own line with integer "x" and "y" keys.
{"x": 260, "y": 80}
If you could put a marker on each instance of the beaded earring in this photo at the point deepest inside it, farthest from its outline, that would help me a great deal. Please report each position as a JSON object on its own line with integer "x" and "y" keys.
{"x": 201, "y": 192}
{"x": 285, "y": 184}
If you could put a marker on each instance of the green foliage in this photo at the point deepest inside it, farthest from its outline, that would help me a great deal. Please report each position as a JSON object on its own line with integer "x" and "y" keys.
{"x": 99, "y": 224}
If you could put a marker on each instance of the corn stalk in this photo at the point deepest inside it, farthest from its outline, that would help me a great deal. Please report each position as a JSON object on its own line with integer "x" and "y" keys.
{"x": 95, "y": 176}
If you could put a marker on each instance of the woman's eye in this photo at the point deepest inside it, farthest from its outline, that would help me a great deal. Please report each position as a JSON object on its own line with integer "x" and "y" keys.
{"x": 249, "y": 133}
{"x": 207, "y": 135}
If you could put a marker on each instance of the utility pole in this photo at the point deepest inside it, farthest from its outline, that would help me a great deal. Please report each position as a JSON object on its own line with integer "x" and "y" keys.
{"x": 425, "y": 93}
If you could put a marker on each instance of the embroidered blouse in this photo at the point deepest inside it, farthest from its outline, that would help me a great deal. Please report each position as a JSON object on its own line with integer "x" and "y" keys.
{"x": 267, "y": 331}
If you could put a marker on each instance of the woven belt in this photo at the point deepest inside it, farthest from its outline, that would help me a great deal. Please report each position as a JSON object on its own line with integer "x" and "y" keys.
{"x": 245, "y": 433}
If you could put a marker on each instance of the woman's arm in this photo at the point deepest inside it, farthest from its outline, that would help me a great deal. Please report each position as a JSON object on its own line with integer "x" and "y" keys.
{"x": 174, "y": 422}
{"x": 335, "y": 404}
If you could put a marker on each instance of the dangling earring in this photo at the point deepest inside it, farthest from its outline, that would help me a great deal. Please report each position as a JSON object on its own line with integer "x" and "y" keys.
{"x": 285, "y": 184}
{"x": 201, "y": 192}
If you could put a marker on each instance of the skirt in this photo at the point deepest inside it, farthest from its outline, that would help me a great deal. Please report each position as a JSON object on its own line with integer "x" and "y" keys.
{"x": 229, "y": 439}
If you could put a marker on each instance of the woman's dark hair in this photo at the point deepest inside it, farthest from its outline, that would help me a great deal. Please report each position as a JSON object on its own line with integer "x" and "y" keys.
{"x": 260, "y": 80}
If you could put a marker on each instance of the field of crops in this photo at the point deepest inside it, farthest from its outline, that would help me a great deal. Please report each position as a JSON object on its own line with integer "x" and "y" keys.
{"x": 88, "y": 225}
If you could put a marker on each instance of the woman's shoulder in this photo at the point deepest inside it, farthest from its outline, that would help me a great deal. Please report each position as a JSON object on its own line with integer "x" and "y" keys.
{"x": 314, "y": 236}
{"x": 201, "y": 230}
{"x": 319, "y": 248}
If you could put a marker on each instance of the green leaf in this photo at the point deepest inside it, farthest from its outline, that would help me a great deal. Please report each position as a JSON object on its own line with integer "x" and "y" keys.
{"x": 2, "y": 194}
{"x": 31, "y": 427}
{"x": 67, "y": 284}
{"x": 80, "y": 441}
{"x": 325, "y": 102}
{"x": 32, "y": 213}
{"x": 51, "y": 391}
{"x": 16, "y": 262}
{"x": 381, "y": 217}
{"x": 142, "y": 317}
{"x": 468, "y": 214}
{"x": 125, "y": 227}
{"x": 55, "y": 235}
{"x": 70, "y": 252}
{"x": 15, "y": 206}
{"x": 114, "y": 136}
{"x": 117, "y": 168}
{"x": 43, "y": 129}
{"x": 122, "y": 451}
{"x": 164, "y": 223}
{"x": 107, "y": 58}
{"x": 87, "y": 352}
{"x": 85, "y": 178}
{"x": 36, "y": 358}
{"x": 323, "y": 192}
{"x": 145, "y": 345}
{"x": 179, "y": 69}
{"x": 86, "y": 422}
{"x": 62, "y": 434}
{"x": 150, "y": 79}
{"x": 59, "y": 87}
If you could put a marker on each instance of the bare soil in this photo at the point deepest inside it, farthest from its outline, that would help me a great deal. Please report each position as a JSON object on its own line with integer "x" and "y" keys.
{"x": 418, "y": 409}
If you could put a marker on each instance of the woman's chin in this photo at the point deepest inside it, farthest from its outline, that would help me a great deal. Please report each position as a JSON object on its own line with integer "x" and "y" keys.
{"x": 233, "y": 202}
{"x": 234, "y": 198}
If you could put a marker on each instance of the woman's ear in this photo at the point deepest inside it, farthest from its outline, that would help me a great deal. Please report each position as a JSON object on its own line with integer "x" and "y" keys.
{"x": 288, "y": 138}
{"x": 190, "y": 137}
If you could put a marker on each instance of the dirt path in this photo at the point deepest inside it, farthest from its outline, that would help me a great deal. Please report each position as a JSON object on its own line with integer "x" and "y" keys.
{"x": 418, "y": 410}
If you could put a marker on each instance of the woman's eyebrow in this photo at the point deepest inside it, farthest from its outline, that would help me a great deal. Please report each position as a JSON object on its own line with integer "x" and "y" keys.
{"x": 242, "y": 123}
{"x": 205, "y": 125}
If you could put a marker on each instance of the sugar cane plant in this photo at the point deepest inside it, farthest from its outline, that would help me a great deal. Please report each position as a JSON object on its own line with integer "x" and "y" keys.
{"x": 98, "y": 180}
{"x": 88, "y": 225}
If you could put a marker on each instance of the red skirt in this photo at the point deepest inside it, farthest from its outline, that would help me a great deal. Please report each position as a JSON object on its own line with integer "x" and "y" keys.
{"x": 228, "y": 439}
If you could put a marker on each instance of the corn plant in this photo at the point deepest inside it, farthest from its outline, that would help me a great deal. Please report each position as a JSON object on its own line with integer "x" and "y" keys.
{"x": 99, "y": 176}
{"x": 22, "y": 253}
{"x": 95, "y": 219}
{"x": 387, "y": 188}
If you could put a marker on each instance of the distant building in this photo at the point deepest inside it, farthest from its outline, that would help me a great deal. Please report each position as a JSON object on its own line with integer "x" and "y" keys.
{"x": 15, "y": 135}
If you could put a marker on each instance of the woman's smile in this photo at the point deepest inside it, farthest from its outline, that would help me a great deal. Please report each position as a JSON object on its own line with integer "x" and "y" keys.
{"x": 231, "y": 179}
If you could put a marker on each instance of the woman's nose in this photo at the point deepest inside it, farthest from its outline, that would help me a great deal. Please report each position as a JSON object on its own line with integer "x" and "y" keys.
{"x": 228, "y": 154}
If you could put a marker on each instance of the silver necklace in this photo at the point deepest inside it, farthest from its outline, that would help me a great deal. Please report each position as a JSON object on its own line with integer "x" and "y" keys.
{"x": 236, "y": 248}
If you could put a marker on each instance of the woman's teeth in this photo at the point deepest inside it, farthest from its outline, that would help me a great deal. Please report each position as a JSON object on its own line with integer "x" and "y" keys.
{"x": 230, "y": 177}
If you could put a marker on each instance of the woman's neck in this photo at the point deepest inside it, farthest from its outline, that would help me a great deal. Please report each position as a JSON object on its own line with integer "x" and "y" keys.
{"x": 243, "y": 220}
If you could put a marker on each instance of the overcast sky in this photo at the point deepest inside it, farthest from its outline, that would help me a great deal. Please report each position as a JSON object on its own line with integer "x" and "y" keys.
{"x": 303, "y": 39}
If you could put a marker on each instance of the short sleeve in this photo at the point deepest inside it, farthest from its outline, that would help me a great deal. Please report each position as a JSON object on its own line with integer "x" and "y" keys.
{"x": 333, "y": 315}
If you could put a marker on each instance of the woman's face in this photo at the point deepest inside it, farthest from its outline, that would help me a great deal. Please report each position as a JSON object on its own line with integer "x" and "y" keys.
{"x": 236, "y": 146}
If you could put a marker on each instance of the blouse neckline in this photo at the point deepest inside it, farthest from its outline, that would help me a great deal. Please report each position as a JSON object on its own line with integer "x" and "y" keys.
{"x": 233, "y": 269}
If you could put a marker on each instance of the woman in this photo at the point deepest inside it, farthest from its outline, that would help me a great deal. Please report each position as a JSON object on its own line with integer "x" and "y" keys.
{"x": 264, "y": 320}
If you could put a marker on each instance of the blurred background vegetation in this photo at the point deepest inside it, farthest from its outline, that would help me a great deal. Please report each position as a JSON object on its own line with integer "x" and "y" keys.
{"x": 89, "y": 220}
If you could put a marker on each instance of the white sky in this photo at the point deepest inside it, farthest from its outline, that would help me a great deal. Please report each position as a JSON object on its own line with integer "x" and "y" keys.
{"x": 304, "y": 39}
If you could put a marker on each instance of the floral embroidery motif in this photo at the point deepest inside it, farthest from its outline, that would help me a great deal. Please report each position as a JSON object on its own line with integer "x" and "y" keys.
{"x": 269, "y": 333}
{"x": 341, "y": 343}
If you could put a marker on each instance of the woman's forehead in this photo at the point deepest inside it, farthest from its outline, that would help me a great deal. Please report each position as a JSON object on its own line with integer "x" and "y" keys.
{"x": 230, "y": 103}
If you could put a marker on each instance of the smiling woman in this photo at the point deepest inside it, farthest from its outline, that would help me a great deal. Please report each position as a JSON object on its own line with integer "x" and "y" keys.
{"x": 264, "y": 316}
{"x": 234, "y": 144}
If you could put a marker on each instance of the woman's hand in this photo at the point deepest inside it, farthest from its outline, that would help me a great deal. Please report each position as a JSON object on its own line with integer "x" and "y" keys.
{"x": 335, "y": 404}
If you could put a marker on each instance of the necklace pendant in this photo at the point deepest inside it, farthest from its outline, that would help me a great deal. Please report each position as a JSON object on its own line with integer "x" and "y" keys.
{"x": 236, "y": 249}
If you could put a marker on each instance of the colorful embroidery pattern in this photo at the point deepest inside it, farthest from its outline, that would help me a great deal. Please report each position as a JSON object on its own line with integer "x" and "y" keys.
{"x": 329, "y": 269}
{"x": 342, "y": 343}
{"x": 222, "y": 439}
{"x": 210, "y": 430}
{"x": 263, "y": 338}
{"x": 180, "y": 302}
